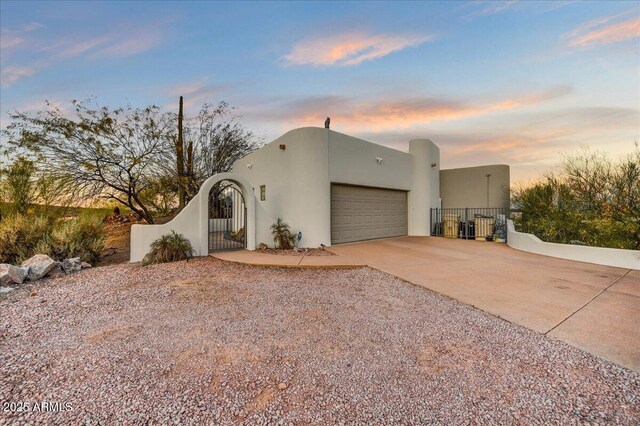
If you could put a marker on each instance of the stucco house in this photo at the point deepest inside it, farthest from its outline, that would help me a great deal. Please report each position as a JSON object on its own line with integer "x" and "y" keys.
{"x": 331, "y": 187}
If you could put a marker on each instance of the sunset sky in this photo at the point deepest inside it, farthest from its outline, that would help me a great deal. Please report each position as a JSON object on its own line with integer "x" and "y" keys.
{"x": 490, "y": 82}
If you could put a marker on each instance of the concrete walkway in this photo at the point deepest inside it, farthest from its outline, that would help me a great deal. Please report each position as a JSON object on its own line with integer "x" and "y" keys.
{"x": 262, "y": 259}
{"x": 593, "y": 307}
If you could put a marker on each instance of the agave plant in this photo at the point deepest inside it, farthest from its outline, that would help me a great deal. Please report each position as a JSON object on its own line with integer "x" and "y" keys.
{"x": 169, "y": 248}
{"x": 282, "y": 235}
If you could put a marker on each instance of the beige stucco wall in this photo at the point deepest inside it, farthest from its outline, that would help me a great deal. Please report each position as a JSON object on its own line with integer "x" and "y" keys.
{"x": 467, "y": 187}
{"x": 297, "y": 185}
{"x": 425, "y": 184}
{"x": 354, "y": 161}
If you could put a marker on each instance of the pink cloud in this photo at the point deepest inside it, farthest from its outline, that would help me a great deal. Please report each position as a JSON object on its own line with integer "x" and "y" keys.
{"x": 13, "y": 37}
{"x": 11, "y": 74}
{"x": 349, "y": 49}
{"x": 196, "y": 93}
{"x": 132, "y": 43}
{"x": 399, "y": 113}
{"x": 8, "y": 41}
{"x": 605, "y": 30}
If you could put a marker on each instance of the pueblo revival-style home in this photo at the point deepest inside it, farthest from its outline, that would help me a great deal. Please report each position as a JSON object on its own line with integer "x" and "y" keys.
{"x": 331, "y": 188}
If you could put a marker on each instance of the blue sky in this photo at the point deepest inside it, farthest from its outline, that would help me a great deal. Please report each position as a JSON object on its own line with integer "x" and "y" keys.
{"x": 490, "y": 82}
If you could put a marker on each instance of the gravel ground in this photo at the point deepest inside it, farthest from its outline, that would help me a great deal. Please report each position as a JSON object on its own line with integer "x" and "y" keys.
{"x": 211, "y": 342}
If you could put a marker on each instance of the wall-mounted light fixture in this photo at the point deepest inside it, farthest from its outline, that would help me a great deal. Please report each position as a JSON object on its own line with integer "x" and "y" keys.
{"x": 250, "y": 166}
{"x": 379, "y": 160}
{"x": 434, "y": 164}
{"x": 283, "y": 146}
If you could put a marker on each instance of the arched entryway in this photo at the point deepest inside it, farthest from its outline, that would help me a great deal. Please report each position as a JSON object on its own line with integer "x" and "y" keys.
{"x": 227, "y": 217}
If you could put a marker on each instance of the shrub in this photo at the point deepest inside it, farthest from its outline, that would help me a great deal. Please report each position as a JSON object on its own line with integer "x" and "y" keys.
{"x": 169, "y": 248}
{"x": 78, "y": 238}
{"x": 590, "y": 199}
{"x": 282, "y": 236}
{"x": 22, "y": 237}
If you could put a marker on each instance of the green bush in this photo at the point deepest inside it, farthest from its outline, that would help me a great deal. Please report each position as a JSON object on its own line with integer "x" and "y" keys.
{"x": 169, "y": 248}
{"x": 24, "y": 236}
{"x": 20, "y": 235}
{"x": 78, "y": 238}
{"x": 282, "y": 236}
{"x": 18, "y": 185}
{"x": 590, "y": 200}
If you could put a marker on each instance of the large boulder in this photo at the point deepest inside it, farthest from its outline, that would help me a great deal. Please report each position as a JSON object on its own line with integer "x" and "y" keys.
{"x": 39, "y": 266}
{"x": 10, "y": 274}
{"x": 73, "y": 264}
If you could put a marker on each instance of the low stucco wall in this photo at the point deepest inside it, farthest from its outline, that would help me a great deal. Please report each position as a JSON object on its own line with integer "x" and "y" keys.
{"x": 629, "y": 259}
{"x": 185, "y": 223}
{"x": 193, "y": 221}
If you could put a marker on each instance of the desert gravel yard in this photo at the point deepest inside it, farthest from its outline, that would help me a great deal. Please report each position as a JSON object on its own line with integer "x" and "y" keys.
{"x": 212, "y": 342}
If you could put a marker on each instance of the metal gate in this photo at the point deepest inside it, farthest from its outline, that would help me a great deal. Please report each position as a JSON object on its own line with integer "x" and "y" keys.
{"x": 227, "y": 218}
{"x": 481, "y": 224}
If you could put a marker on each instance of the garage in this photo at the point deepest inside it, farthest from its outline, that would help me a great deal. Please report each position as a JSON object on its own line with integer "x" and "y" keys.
{"x": 363, "y": 213}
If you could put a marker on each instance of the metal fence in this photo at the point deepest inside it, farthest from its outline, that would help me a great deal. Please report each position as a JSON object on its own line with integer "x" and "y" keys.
{"x": 487, "y": 224}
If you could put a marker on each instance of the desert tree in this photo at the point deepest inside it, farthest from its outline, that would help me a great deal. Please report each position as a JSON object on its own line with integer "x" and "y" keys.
{"x": 96, "y": 152}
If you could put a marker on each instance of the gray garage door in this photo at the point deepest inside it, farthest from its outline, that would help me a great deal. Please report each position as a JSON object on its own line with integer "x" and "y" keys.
{"x": 360, "y": 213}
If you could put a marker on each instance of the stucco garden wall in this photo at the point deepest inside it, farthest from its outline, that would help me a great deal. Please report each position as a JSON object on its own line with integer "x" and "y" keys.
{"x": 599, "y": 255}
{"x": 467, "y": 187}
{"x": 193, "y": 221}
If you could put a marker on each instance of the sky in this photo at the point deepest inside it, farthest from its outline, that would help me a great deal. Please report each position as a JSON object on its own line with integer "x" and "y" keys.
{"x": 510, "y": 82}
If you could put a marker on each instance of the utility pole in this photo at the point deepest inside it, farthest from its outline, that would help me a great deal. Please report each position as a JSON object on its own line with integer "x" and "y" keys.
{"x": 488, "y": 176}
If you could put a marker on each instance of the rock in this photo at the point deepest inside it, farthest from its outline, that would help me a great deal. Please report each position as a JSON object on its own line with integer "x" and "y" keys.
{"x": 10, "y": 274}
{"x": 56, "y": 271}
{"x": 86, "y": 265}
{"x": 282, "y": 386}
{"x": 33, "y": 293}
{"x": 71, "y": 265}
{"x": 5, "y": 279}
{"x": 39, "y": 266}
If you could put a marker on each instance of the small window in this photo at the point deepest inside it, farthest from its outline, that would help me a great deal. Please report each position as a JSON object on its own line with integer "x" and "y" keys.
{"x": 263, "y": 192}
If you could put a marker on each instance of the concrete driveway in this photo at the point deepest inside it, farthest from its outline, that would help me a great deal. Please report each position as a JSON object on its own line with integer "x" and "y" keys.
{"x": 596, "y": 308}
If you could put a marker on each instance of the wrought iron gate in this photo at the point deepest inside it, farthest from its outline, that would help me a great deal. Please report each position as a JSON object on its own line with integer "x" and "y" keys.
{"x": 470, "y": 223}
{"x": 227, "y": 218}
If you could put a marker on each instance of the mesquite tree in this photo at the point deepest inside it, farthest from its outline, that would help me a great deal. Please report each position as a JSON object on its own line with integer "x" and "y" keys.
{"x": 97, "y": 152}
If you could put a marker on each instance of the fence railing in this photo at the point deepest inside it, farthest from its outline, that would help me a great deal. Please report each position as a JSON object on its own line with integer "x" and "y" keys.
{"x": 487, "y": 224}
